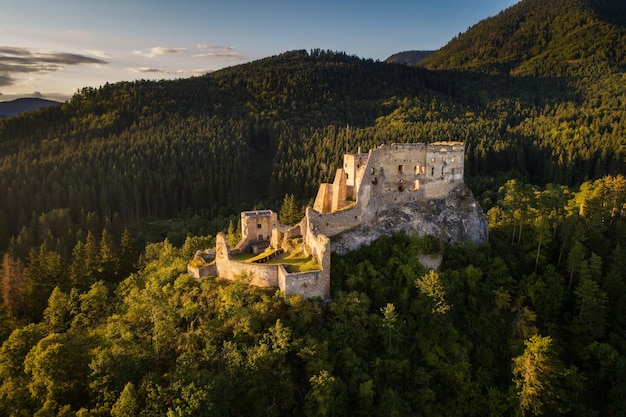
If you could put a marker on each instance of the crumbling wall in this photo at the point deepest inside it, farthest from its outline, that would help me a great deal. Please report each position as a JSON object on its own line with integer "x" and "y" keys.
{"x": 261, "y": 275}
{"x": 202, "y": 271}
{"x": 323, "y": 199}
{"x": 412, "y": 187}
{"x": 256, "y": 226}
{"x": 307, "y": 284}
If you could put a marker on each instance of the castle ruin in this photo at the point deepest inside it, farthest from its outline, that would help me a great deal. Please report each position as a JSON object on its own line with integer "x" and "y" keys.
{"x": 400, "y": 187}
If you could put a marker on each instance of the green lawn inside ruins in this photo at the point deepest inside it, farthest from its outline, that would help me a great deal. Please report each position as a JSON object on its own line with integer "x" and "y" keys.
{"x": 294, "y": 259}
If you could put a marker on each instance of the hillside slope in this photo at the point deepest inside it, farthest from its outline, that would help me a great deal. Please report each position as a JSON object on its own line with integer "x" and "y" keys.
{"x": 408, "y": 57}
{"x": 247, "y": 135}
{"x": 22, "y": 105}
{"x": 539, "y": 38}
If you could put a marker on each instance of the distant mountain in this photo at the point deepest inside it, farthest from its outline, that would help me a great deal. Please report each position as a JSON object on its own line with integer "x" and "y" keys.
{"x": 408, "y": 57}
{"x": 23, "y": 105}
{"x": 542, "y": 38}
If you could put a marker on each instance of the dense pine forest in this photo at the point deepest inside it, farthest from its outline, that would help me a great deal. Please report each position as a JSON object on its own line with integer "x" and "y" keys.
{"x": 105, "y": 198}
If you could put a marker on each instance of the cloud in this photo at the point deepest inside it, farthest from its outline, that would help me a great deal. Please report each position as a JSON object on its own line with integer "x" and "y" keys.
{"x": 18, "y": 60}
{"x": 216, "y": 51}
{"x": 144, "y": 70}
{"x": 199, "y": 71}
{"x": 5, "y": 80}
{"x": 206, "y": 46}
{"x": 158, "y": 51}
{"x": 100, "y": 54}
{"x": 232, "y": 55}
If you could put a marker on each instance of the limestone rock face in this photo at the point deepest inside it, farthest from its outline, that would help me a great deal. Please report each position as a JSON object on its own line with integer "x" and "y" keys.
{"x": 455, "y": 218}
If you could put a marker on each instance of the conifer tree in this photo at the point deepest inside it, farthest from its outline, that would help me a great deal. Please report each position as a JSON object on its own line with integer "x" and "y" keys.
{"x": 13, "y": 288}
{"x": 289, "y": 213}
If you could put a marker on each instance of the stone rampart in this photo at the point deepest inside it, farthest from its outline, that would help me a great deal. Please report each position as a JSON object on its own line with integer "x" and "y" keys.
{"x": 262, "y": 275}
{"x": 410, "y": 187}
{"x": 202, "y": 271}
{"x": 307, "y": 284}
{"x": 330, "y": 224}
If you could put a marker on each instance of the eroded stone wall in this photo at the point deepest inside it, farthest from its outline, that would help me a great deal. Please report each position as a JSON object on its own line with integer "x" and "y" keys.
{"x": 400, "y": 187}
{"x": 256, "y": 226}
{"x": 261, "y": 275}
{"x": 307, "y": 284}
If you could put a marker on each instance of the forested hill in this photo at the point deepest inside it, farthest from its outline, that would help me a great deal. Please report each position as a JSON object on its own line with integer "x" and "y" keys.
{"x": 531, "y": 323}
{"x": 542, "y": 38}
{"x": 408, "y": 57}
{"x": 245, "y": 136}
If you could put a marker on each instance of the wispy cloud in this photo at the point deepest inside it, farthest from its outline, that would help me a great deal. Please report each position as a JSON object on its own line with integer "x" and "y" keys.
{"x": 100, "y": 54}
{"x": 19, "y": 60}
{"x": 146, "y": 70}
{"x": 216, "y": 51}
{"x": 199, "y": 71}
{"x": 158, "y": 51}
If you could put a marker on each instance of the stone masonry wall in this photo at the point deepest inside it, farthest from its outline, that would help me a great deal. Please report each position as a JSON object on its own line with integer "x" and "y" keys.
{"x": 262, "y": 275}
{"x": 307, "y": 284}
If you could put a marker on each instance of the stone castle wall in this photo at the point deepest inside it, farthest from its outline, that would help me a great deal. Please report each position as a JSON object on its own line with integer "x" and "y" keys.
{"x": 308, "y": 284}
{"x": 261, "y": 275}
{"x": 389, "y": 187}
{"x": 256, "y": 226}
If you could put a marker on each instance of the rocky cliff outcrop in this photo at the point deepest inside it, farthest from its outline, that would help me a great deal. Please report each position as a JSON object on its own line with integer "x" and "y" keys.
{"x": 454, "y": 218}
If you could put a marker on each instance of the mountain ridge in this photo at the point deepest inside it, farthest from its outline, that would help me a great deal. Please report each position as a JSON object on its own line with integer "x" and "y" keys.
{"x": 408, "y": 57}
{"x": 247, "y": 135}
{"x": 532, "y": 37}
{"x": 23, "y": 105}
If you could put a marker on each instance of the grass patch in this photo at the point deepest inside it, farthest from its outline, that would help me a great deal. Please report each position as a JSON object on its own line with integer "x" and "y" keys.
{"x": 243, "y": 257}
{"x": 294, "y": 260}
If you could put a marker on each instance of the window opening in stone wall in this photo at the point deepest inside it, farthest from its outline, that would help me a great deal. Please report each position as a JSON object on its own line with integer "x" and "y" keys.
{"x": 432, "y": 172}
{"x": 373, "y": 171}
{"x": 259, "y": 225}
{"x": 432, "y": 159}
{"x": 260, "y": 237}
{"x": 400, "y": 185}
{"x": 416, "y": 185}
{"x": 400, "y": 169}
{"x": 454, "y": 159}
{"x": 442, "y": 171}
{"x": 374, "y": 180}
{"x": 423, "y": 170}
{"x": 416, "y": 170}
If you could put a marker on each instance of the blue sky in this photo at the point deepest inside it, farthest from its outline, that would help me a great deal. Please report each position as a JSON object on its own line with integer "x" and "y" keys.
{"x": 54, "y": 47}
